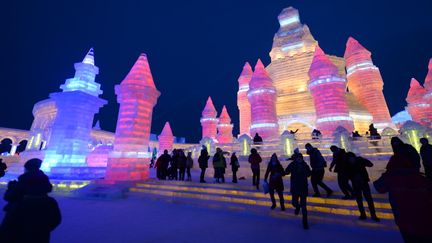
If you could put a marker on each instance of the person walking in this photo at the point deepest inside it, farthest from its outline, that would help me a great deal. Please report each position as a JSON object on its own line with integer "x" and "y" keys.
{"x": 203, "y": 163}
{"x": 181, "y": 163}
{"x": 409, "y": 195}
{"x": 189, "y": 166}
{"x": 235, "y": 165}
{"x": 276, "y": 172}
{"x": 300, "y": 172}
{"x": 339, "y": 163}
{"x": 426, "y": 155}
{"x": 255, "y": 160}
{"x": 360, "y": 178}
{"x": 318, "y": 163}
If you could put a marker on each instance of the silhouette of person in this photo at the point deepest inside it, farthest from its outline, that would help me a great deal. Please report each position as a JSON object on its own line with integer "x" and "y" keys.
{"x": 426, "y": 155}
{"x": 359, "y": 176}
{"x": 219, "y": 165}
{"x": 174, "y": 164}
{"x": 407, "y": 150}
{"x": 316, "y": 134}
{"x": 203, "y": 163}
{"x": 276, "y": 172}
{"x": 235, "y": 165}
{"x": 373, "y": 132}
{"x": 300, "y": 172}
{"x": 318, "y": 163}
{"x": 181, "y": 164}
{"x": 3, "y": 168}
{"x": 162, "y": 164}
{"x": 356, "y": 134}
{"x": 189, "y": 166}
{"x": 257, "y": 139}
{"x": 339, "y": 163}
{"x": 255, "y": 160}
{"x": 31, "y": 214}
{"x": 409, "y": 195}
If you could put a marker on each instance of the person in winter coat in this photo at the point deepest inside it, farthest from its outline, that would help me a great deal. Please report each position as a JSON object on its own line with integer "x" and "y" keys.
{"x": 300, "y": 172}
{"x": 339, "y": 163}
{"x": 181, "y": 163}
{"x": 203, "y": 163}
{"x": 162, "y": 164}
{"x": 219, "y": 165}
{"x": 426, "y": 155}
{"x": 173, "y": 170}
{"x": 31, "y": 214}
{"x": 276, "y": 172}
{"x": 235, "y": 165}
{"x": 410, "y": 196}
{"x": 3, "y": 168}
{"x": 189, "y": 166}
{"x": 255, "y": 160}
{"x": 399, "y": 147}
{"x": 360, "y": 178}
{"x": 318, "y": 163}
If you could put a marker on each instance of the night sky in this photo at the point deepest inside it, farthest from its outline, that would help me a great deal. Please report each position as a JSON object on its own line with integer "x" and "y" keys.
{"x": 195, "y": 49}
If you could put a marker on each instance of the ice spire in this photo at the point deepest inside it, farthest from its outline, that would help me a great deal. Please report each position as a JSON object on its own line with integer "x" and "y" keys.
{"x": 415, "y": 90}
{"x": 166, "y": 138}
{"x": 245, "y": 75}
{"x": 321, "y": 64}
{"x": 89, "y": 57}
{"x": 140, "y": 73}
{"x": 224, "y": 127}
{"x": 260, "y": 77}
{"x": 224, "y": 117}
{"x": 428, "y": 80}
{"x": 209, "y": 109}
{"x": 97, "y": 125}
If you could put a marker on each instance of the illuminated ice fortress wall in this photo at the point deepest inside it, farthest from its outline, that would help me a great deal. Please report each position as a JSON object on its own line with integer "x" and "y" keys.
{"x": 291, "y": 58}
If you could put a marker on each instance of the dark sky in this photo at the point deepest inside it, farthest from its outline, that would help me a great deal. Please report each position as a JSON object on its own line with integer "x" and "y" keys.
{"x": 195, "y": 49}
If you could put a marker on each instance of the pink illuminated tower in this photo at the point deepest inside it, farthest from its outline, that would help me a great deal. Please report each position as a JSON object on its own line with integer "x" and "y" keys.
{"x": 417, "y": 107}
{"x": 209, "y": 121}
{"x": 262, "y": 98}
{"x": 242, "y": 99}
{"x": 137, "y": 95}
{"x": 365, "y": 82}
{"x": 428, "y": 79}
{"x": 328, "y": 90}
{"x": 166, "y": 139}
{"x": 224, "y": 127}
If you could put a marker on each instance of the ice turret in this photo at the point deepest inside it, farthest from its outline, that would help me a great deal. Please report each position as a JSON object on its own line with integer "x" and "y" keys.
{"x": 137, "y": 95}
{"x": 242, "y": 100}
{"x": 327, "y": 88}
{"x": 224, "y": 127}
{"x": 166, "y": 138}
{"x": 365, "y": 82}
{"x": 262, "y": 98}
{"x": 208, "y": 120}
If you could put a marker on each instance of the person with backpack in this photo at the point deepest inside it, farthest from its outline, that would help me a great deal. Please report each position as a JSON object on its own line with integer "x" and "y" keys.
{"x": 318, "y": 163}
{"x": 300, "y": 172}
{"x": 219, "y": 165}
{"x": 276, "y": 172}
{"x": 234, "y": 166}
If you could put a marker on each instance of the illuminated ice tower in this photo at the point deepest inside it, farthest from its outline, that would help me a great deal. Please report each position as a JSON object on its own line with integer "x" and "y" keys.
{"x": 328, "y": 90}
{"x": 209, "y": 121}
{"x": 76, "y": 105}
{"x": 262, "y": 98}
{"x": 166, "y": 139}
{"x": 365, "y": 82}
{"x": 224, "y": 127}
{"x": 242, "y": 100}
{"x": 419, "y": 110}
{"x": 137, "y": 95}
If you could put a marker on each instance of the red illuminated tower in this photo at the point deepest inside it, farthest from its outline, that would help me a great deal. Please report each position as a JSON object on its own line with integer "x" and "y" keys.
{"x": 242, "y": 99}
{"x": 137, "y": 95}
{"x": 166, "y": 139}
{"x": 417, "y": 106}
{"x": 365, "y": 82}
{"x": 209, "y": 121}
{"x": 262, "y": 98}
{"x": 224, "y": 127}
{"x": 328, "y": 89}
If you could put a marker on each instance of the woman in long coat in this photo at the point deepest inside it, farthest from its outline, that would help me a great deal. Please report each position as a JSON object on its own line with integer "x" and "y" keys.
{"x": 276, "y": 172}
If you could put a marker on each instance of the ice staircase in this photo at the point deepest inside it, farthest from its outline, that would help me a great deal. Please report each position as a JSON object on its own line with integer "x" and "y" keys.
{"x": 245, "y": 199}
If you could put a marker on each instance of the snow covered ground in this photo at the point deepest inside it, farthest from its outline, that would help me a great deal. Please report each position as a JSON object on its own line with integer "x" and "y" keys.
{"x": 141, "y": 219}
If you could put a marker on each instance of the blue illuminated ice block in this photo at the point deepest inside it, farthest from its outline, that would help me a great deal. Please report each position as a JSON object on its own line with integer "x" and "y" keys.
{"x": 76, "y": 106}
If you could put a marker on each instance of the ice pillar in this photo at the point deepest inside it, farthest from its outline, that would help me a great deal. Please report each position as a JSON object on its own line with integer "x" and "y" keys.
{"x": 166, "y": 139}
{"x": 242, "y": 99}
{"x": 209, "y": 121}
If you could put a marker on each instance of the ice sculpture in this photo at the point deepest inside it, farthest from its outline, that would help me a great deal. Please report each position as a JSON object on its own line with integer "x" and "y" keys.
{"x": 242, "y": 100}
{"x": 328, "y": 91}
{"x": 417, "y": 107}
{"x": 209, "y": 121}
{"x": 166, "y": 139}
{"x": 262, "y": 98}
{"x": 76, "y": 106}
{"x": 137, "y": 95}
{"x": 365, "y": 82}
{"x": 224, "y": 127}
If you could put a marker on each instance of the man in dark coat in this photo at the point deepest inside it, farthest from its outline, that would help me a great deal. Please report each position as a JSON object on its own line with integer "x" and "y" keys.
{"x": 203, "y": 163}
{"x": 276, "y": 172}
{"x": 360, "y": 178}
{"x": 3, "y": 168}
{"x": 410, "y": 196}
{"x": 339, "y": 162}
{"x": 407, "y": 150}
{"x": 300, "y": 172}
{"x": 181, "y": 164}
{"x": 162, "y": 164}
{"x": 318, "y": 163}
{"x": 255, "y": 160}
{"x": 426, "y": 155}
{"x": 234, "y": 166}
